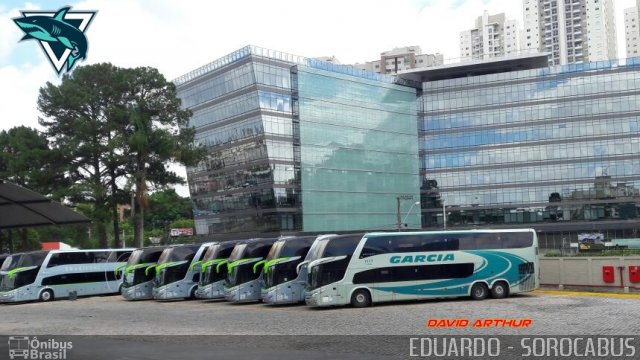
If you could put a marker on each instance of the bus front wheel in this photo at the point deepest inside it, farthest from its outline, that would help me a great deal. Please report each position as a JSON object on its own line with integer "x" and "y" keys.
{"x": 479, "y": 291}
{"x": 361, "y": 298}
{"x": 499, "y": 290}
{"x": 46, "y": 295}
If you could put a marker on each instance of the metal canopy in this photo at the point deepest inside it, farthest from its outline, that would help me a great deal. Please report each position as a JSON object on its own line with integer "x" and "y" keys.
{"x": 21, "y": 207}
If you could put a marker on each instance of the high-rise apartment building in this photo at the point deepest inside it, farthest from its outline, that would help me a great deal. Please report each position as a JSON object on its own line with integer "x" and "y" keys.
{"x": 632, "y": 31}
{"x": 492, "y": 36}
{"x": 572, "y": 31}
{"x": 400, "y": 59}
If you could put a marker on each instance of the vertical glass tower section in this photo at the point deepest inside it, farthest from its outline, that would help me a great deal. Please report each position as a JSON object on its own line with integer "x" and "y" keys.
{"x": 558, "y": 147}
{"x": 267, "y": 117}
{"x": 241, "y": 106}
{"x": 358, "y": 151}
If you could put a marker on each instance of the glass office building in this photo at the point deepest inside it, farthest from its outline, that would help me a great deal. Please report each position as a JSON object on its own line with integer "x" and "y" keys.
{"x": 359, "y": 151}
{"x": 554, "y": 148}
{"x": 297, "y": 144}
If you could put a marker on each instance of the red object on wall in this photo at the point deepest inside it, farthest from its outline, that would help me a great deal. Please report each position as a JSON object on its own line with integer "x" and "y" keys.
{"x": 608, "y": 274}
{"x": 634, "y": 274}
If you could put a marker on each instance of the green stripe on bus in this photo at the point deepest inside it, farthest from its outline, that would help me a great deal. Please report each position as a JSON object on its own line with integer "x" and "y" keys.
{"x": 167, "y": 264}
{"x": 129, "y": 269}
{"x": 268, "y": 264}
{"x": 146, "y": 271}
{"x": 258, "y": 264}
{"x": 193, "y": 266}
{"x": 117, "y": 269}
{"x": 13, "y": 272}
{"x": 220, "y": 264}
{"x": 208, "y": 263}
{"x": 231, "y": 265}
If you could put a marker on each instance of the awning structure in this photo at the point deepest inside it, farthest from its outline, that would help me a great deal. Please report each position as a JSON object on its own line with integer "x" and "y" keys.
{"x": 21, "y": 207}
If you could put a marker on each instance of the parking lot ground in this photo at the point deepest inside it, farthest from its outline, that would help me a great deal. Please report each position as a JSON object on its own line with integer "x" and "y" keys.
{"x": 551, "y": 313}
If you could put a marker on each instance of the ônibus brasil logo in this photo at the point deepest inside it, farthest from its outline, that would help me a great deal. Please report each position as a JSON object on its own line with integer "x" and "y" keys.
{"x": 59, "y": 33}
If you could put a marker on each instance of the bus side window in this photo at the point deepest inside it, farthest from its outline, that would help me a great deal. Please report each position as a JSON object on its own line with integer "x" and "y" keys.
{"x": 101, "y": 257}
{"x": 375, "y": 246}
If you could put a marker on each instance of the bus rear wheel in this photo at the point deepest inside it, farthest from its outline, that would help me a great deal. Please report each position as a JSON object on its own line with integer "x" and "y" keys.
{"x": 361, "y": 298}
{"x": 479, "y": 291}
{"x": 46, "y": 295}
{"x": 500, "y": 290}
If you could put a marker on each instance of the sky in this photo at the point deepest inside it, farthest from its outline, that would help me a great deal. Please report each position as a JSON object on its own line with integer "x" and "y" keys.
{"x": 177, "y": 36}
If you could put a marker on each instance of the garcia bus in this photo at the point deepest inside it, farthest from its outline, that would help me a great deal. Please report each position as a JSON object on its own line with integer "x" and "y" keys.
{"x": 422, "y": 265}
{"x": 47, "y": 275}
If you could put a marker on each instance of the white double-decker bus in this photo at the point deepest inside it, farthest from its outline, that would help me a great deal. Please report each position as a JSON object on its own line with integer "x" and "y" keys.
{"x": 422, "y": 265}
{"x": 48, "y": 275}
{"x": 213, "y": 270}
{"x": 244, "y": 270}
{"x": 283, "y": 282}
{"x": 177, "y": 272}
{"x": 139, "y": 273}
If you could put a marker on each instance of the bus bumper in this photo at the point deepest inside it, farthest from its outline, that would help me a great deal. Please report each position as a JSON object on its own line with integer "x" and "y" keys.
{"x": 170, "y": 291}
{"x": 249, "y": 291}
{"x": 325, "y": 296}
{"x": 9, "y": 296}
{"x": 286, "y": 293}
{"x": 211, "y": 291}
{"x": 141, "y": 291}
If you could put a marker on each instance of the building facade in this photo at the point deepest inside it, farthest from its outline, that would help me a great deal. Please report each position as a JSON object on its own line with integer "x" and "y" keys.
{"x": 573, "y": 31}
{"x": 297, "y": 144}
{"x": 492, "y": 36}
{"x": 554, "y": 148}
{"x": 401, "y": 59}
{"x": 632, "y": 32}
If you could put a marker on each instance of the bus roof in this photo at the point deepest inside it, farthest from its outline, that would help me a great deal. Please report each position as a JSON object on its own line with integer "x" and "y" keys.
{"x": 472, "y": 231}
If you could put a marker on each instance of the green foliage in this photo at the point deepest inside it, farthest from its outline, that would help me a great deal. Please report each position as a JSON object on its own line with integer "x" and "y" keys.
{"x": 165, "y": 207}
{"x": 111, "y": 126}
{"x": 27, "y": 160}
{"x": 183, "y": 223}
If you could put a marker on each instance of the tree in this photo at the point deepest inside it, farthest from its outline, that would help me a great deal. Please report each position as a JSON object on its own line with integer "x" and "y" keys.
{"x": 80, "y": 126}
{"x": 112, "y": 124}
{"x": 27, "y": 160}
{"x": 167, "y": 206}
{"x": 157, "y": 133}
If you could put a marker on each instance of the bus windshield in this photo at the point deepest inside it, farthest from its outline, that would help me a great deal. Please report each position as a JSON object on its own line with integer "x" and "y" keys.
{"x": 212, "y": 252}
{"x": 134, "y": 259}
{"x": 333, "y": 271}
{"x": 178, "y": 253}
{"x": 10, "y": 262}
{"x": 275, "y": 250}
{"x": 237, "y": 252}
{"x": 26, "y": 269}
{"x": 35, "y": 258}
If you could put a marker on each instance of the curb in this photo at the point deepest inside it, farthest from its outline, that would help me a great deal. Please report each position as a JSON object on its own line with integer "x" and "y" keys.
{"x": 587, "y": 293}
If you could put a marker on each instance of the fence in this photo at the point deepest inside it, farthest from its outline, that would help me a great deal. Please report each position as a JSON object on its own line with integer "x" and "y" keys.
{"x": 593, "y": 272}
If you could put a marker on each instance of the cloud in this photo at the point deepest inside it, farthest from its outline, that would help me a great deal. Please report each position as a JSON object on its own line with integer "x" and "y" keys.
{"x": 19, "y": 87}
